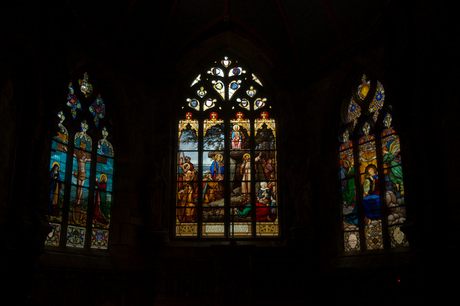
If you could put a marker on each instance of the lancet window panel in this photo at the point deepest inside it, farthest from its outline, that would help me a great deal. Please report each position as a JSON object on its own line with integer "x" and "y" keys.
{"x": 81, "y": 172}
{"x": 371, "y": 180}
{"x": 226, "y": 156}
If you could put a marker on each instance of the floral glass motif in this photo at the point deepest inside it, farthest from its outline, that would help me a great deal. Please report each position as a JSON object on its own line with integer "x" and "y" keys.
{"x": 83, "y": 140}
{"x": 201, "y": 92}
{"x": 251, "y": 92}
{"x": 76, "y": 236}
{"x": 104, "y": 147}
{"x": 236, "y": 71}
{"x": 97, "y": 109}
{"x": 99, "y": 239}
{"x": 85, "y": 87}
{"x": 233, "y": 87}
{"x": 226, "y": 62}
{"x": 364, "y": 87}
{"x": 354, "y": 112}
{"x": 378, "y": 101}
{"x": 63, "y": 134}
{"x": 203, "y": 175}
{"x": 54, "y": 236}
{"x": 72, "y": 101}
{"x": 371, "y": 182}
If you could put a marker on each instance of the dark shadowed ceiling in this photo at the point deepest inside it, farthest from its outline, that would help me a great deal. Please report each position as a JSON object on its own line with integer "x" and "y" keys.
{"x": 292, "y": 33}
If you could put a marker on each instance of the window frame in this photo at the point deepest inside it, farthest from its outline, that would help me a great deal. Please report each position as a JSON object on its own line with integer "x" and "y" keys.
{"x": 228, "y": 114}
{"x": 356, "y": 135}
{"x": 97, "y": 134}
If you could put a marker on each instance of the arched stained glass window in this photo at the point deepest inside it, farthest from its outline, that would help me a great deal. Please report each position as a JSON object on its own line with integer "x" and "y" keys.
{"x": 226, "y": 171}
{"x": 372, "y": 185}
{"x": 80, "y": 213}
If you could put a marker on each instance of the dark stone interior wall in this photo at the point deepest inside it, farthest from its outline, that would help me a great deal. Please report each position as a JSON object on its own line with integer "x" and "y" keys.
{"x": 411, "y": 52}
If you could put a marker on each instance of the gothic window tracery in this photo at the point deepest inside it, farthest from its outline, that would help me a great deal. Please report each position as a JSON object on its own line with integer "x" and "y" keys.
{"x": 81, "y": 173}
{"x": 371, "y": 176}
{"x": 226, "y": 156}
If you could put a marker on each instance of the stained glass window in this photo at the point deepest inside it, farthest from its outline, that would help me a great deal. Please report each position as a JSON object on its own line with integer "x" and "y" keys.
{"x": 81, "y": 174}
{"x": 371, "y": 180}
{"x": 226, "y": 163}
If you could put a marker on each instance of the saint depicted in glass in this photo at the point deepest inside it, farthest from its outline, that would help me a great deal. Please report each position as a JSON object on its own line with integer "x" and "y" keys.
{"x": 58, "y": 162}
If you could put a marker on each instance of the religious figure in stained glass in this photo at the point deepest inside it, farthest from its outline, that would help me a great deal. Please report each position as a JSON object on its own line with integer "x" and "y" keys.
{"x": 187, "y": 211}
{"x": 217, "y": 167}
{"x": 211, "y": 189}
{"x": 392, "y": 160}
{"x": 101, "y": 207}
{"x": 80, "y": 175}
{"x": 237, "y": 138}
{"x": 55, "y": 190}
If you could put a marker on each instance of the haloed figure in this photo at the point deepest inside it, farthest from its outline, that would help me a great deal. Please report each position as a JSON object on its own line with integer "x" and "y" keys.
{"x": 80, "y": 175}
{"x": 237, "y": 138}
{"x": 101, "y": 209}
{"x": 55, "y": 186}
{"x": 246, "y": 173}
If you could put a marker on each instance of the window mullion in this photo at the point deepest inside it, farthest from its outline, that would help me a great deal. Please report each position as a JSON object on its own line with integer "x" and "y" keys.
{"x": 200, "y": 178}
{"x": 68, "y": 186}
{"x": 359, "y": 193}
{"x": 90, "y": 212}
{"x": 383, "y": 206}
{"x": 253, "y": 178}
{"x": 228, "y": 220}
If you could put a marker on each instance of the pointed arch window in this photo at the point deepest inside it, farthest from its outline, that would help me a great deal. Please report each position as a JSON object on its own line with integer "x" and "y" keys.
{"x": 81, "y": 173}
{"x": 226, "y": 156}
{"x": 372, "y": 184}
